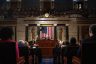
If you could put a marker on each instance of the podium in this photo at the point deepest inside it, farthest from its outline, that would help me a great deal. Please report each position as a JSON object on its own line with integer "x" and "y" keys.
{"x": 46, "y": 47}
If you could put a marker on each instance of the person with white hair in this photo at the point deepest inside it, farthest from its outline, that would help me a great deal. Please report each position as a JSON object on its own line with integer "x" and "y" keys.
{"x": 21, "y": 43}
{"x": 24, "y": 50}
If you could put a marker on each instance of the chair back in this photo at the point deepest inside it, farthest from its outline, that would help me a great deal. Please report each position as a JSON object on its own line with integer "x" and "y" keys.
{"x": 7, "y": 53}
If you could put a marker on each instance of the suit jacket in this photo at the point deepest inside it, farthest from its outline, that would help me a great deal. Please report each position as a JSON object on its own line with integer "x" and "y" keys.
{"x": 88, "y": 50}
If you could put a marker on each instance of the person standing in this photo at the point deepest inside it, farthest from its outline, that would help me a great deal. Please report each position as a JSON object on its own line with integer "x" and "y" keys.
{"x": 88, "y": 47}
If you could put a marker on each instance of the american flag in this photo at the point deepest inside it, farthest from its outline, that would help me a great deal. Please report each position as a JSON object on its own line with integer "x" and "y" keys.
{"x": 46, "y": 32}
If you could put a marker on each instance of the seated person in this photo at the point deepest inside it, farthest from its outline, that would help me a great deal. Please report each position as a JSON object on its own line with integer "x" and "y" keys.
{"x": 71, "y": 50}
{"x": 22, "y": 43}
{"x": 24, "y": 50}
{"x": 56, "y": 53}
{"x": 6, "y": 34}
{"x": 36, "y": 53}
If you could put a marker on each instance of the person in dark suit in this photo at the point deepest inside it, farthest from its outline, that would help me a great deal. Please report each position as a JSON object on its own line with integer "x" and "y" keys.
{"x": 23, "y": 50}
{"x": 71, "y": 50}
{"x": 35, "y": 51}
{"x": 56, "y": 54}
{"x": 63, "y": 51}
{"x": 88, "y": 47}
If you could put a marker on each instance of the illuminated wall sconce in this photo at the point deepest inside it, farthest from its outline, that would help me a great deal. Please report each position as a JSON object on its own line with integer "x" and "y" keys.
{"x": 55, "y": 24}
{"x": 46, "y": 15}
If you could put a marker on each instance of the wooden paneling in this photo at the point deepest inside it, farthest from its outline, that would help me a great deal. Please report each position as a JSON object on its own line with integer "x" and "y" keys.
{"x": 8, "y": 22}
{"x": 84, "y": 32}
{"x": 86, "y": 20}
{"x": 47, "y": 6}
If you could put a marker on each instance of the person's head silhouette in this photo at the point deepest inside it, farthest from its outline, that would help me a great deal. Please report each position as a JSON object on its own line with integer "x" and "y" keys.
{"x": 6, "y": 33}
{"x": 92, "y": 30}
{"x": 73, "y": 40}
